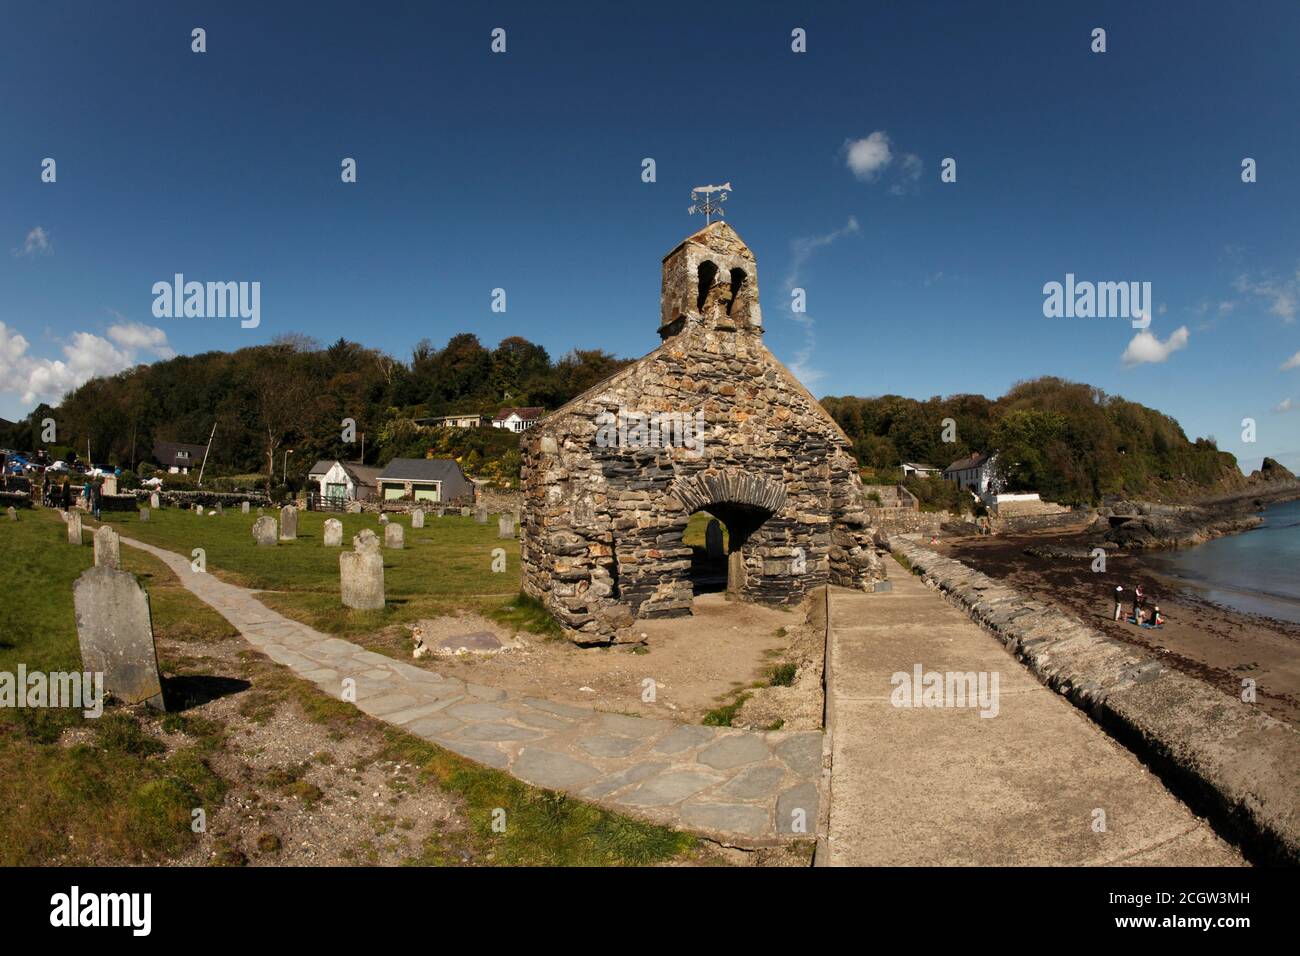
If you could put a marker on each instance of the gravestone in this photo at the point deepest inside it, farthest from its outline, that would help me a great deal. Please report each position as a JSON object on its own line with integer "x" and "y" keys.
{"x": 465, "y": 512}
{"x": 144, "y": 514}
{"x": 713, "y": 539}
{"x": 333, "y": 533}
{"x": 383, "y": 519}
{"x": 394, "y": 536}
{"x": 154, "y": 501}
{"x": 12, "y": 512}
{"x": 221, "y": 509}
{"x": 480, "y": 515}
{"x": 288, "y": 523}
{"x": 108, "y": 548}
{"x": 74, "y": 527}
{"x": 361, "y": 574}
{"x": 244, "y": 507}
{"x": 506, "y": 526}
{"x": 417, "y": 518}
{"x": 115, "y": 630}
{"x": 264, "y": 531}
{"x": 197, "y": 508}
{"x": 109, "y": 486}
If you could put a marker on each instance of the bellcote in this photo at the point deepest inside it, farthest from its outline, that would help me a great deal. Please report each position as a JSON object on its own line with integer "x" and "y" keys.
{"x": 710, "y": 281}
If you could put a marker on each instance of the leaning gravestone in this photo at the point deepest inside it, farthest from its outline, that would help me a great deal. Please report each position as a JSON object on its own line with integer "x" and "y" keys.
{"x": 713, "y": 539}
{"x": 115, "y": 630}
{"x": 154, "y": 501}
{"x": 108, "y": 548}
{"x": 417, "y": 518}
{"x": 243, "y": 507}
{"x": 288, "y": 523}
{"x": 74, "y": 527}
{"x": 506, "y": 526}
{"x": 264, "y": 531}
{"x": 12, "y": 512}
{"x": 481, "y": 516}
{"x": 361, "y": 573}
{"x": 144, "y": 514}
{"x": 333, "y": 535}
{"x": 394, "y": 536}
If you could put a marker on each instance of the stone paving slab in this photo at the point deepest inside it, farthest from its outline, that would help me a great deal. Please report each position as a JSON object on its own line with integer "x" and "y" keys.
{"x": 743, "y": 788}
{"x": 942, "y": 785}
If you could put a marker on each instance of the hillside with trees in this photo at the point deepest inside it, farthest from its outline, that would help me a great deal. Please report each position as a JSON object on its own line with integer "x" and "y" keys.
{"x": 1068, "y": 441}
{"x": 292, "y": 396}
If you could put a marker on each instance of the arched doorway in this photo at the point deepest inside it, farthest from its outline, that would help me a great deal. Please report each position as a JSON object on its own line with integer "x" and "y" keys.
{"x": 717, "y": 536}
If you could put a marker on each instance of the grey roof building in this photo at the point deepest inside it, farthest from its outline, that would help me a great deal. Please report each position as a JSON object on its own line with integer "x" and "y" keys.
{"x": 435, "y": 479}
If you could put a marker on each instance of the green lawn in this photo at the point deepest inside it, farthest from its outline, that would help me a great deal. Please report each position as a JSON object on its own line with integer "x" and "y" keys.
{"x": 445, "y": 566}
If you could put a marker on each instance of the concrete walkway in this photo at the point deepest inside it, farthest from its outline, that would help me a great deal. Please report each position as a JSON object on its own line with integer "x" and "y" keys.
{"x": 739, "y": 787}
{"x": 944, "y": 786}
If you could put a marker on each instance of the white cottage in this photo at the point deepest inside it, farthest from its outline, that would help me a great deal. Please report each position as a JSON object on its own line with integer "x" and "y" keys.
{"x": 343, "y": 481}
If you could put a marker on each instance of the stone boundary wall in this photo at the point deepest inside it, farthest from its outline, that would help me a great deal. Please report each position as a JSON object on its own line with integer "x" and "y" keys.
{"x": 1001, "y": 524}
{"x": 187, "y": 499}
{"x": 892, "y": 521}
{"x": 15, "y": 499}
{"x": 1232, "y": 761}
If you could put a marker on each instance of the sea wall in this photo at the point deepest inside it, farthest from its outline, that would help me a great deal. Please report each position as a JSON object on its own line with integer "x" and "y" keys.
{"x": 1228, "y": 759}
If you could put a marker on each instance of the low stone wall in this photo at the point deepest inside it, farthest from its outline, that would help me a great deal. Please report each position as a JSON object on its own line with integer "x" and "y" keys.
{"x": 14, "y": 499}
{"x": 187, "y": 499}
{"x": 892, "y": 521}
{"x": 1230, "y": 760}
{"x": 1014, "y": 524}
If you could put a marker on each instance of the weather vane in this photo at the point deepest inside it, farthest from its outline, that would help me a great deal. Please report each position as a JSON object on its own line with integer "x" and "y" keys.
{"x": 710, "y": 206}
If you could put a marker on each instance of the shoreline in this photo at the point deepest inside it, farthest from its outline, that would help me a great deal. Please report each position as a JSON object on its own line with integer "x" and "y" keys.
{"x": 1220, "y": 645}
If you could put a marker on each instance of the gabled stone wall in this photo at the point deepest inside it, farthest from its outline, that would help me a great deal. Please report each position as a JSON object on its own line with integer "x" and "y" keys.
{"x": 606, "y": 502}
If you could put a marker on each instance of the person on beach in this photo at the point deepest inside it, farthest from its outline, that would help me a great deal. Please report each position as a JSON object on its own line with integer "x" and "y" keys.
{"x": 1157, "y": 619}
{"x": 1119, "y": 602}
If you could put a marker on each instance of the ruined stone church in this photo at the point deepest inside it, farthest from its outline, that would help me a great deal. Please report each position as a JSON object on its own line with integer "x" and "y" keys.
{"x": 709, "y": 421}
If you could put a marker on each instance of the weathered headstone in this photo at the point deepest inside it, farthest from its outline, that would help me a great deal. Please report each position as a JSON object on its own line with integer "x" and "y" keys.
{"x": 383, "y": 519}
{"x": 154, "y": 501}
{"x": 333, "y": 535}
{"x": 480, "y": 515}
{"x": 264, "y": 531}
{"x": 506, "y": 525}
{"x": 713, "y": 539}
{"x": 221, "y": 509}
{"x": 74, "y": 527}
{"x": 12, "y": 512}
{"x": 394, "y": 536}
{"x": 288, "y": 523}
{"x": 417, "y": 518}
{"x": 361, "y": 573}
{"x": 466, "y": 512}
{"x": 144, "y": 514}
{"x": 243, "y": 507}
{"x": 108, "y": 548}
{"x": 115, "y": 630}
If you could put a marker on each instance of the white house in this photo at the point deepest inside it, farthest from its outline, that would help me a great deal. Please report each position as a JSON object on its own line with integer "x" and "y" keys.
{"x": 977, "y": 473}
{"x": 344, "y": 481}
{"x": 517, "y": 419}
{"x": 911, "y": 468}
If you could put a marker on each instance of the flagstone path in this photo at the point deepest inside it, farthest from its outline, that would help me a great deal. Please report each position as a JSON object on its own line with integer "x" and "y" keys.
{"x": 745, "y": 788}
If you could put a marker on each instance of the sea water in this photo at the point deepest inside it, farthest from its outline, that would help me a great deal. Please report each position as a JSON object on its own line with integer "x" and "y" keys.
{"x": 1256, "y": 571}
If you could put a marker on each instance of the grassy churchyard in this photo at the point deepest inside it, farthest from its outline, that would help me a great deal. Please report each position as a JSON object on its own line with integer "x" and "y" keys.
{"x": 283, "y": 772}
{"x": 445, "y": 566}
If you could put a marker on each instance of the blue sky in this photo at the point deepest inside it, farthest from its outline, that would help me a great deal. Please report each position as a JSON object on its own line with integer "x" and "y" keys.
{"x": 522, "y": 171}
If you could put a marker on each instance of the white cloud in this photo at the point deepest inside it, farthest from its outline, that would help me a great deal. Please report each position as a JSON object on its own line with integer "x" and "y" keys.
{"x": 1282, "y": 295}
{"x": 85, "y": 356}
{"x": 801, "y": 250}
{"x": 868, "y": 156}
{"x": 1292, "y": 362}
{"x": 1145, "y": 347}
{"x": 1286, "y": 405}
{"x": 37, "y": 243}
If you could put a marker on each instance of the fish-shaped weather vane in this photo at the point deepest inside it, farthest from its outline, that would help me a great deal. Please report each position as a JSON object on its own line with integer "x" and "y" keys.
{"x": 709, "y": 205}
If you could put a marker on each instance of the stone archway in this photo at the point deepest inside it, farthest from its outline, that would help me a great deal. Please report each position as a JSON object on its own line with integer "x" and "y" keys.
{"x": 743, "y": 502}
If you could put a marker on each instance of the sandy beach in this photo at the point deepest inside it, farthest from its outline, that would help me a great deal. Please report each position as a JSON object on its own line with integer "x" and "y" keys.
{"x": 1216, "y": 644}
